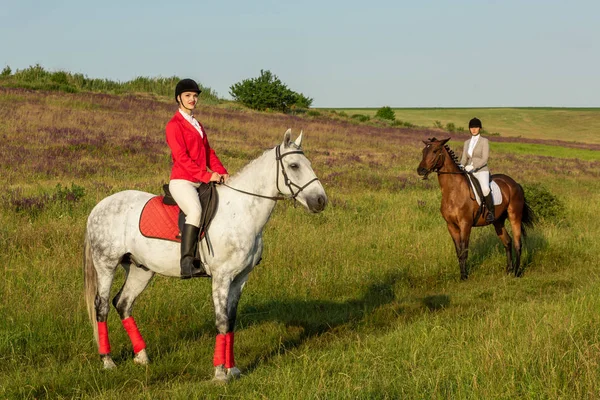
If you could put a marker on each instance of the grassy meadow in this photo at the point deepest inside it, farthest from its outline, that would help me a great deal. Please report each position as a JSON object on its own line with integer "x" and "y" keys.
{"x": 361, "y": 301}
{"x": 564, "y": 124}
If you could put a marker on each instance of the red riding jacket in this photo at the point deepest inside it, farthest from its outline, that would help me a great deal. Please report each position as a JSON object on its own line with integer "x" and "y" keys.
{"x": 191, "y": 153}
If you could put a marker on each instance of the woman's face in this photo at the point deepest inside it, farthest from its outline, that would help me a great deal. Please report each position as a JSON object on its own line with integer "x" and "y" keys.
{"x": 189, "y": 99}
{"x": 475, "y": 131}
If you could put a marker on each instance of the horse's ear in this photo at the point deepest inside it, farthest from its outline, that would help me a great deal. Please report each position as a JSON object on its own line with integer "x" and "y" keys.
{"x": 426, "y": 142}
{"x": 298, "y": 141}
{"x": 444, "y": 141}
{"x": 286, "y": 137}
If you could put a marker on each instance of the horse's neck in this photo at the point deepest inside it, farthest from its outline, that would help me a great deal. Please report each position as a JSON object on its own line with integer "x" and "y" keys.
{"x": 450, "y": 179}
{"x": 258, "y": 177}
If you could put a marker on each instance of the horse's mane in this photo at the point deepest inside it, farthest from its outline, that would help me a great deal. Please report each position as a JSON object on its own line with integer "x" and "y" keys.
{"x": 248, "y": 164}
{"x": 452, "y": 155}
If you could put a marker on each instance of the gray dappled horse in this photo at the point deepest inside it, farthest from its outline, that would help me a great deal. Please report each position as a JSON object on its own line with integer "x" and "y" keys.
{"x": 113, "y": 238}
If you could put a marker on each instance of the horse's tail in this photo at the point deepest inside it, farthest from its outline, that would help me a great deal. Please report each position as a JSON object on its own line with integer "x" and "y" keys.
{"x": 90, "y": 279}
{"x": 528, "y": 217}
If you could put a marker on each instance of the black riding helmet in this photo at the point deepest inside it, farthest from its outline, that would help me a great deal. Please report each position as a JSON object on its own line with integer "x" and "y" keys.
{"x": 186, "y": 85}
{"x": 474, "y": 123}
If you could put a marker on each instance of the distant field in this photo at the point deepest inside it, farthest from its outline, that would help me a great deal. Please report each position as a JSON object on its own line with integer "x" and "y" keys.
{"x": 569, "y": 124}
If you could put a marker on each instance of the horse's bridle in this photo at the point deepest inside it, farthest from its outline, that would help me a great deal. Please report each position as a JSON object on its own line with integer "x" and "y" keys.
{"x": 287, "y": 180}
{"x": 437, "y": 170}
{"x": 433, "y": 168}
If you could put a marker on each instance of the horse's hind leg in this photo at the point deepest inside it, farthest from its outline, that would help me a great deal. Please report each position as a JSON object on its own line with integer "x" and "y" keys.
{"x": 515, "y": 223}
{"x": 136, "y": 281}
{"x": 506, "y": 241}
{"x": 106, "y": 273}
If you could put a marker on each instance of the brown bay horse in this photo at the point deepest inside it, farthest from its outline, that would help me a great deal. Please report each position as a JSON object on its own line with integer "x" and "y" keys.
{"x": 459, "y": 207}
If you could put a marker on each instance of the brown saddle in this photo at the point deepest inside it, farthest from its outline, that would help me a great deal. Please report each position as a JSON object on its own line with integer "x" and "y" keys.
{"x": 209, "y": 201}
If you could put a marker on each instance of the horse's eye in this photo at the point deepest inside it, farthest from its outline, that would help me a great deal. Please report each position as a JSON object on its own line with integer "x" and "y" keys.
{"x": 294, "y": 166}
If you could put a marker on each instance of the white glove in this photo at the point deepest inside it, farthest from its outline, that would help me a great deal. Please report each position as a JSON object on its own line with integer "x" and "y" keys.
{"x": 469, "y": 168}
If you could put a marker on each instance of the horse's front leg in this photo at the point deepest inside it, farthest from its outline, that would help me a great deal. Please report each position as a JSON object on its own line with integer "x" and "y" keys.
{"x": 226, "y": 295}
{"x": 460, "y": 236}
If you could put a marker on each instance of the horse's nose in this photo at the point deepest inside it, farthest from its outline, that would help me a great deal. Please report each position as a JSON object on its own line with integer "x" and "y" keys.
{"x": 318, "y": 203}
{"x": 421, "y": 171}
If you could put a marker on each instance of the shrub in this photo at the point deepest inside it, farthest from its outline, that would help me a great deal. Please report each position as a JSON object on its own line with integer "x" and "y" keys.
{"x": 313, "y": 113}
{"x": 544, "y": 204}
{"x": 438, "y": 124}
{"x": 386, "y": 113}
{"x": 267, "y": 92}
{"x": 450, "y": 127}
{"x": 302, "y": 101}
{"x": 361, "y": 117}
{"x": 37, "y": 78}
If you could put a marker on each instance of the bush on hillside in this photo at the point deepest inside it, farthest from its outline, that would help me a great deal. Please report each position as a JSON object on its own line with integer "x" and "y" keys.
{"x": 544, "y": 204}
{"x": 386, "y": 113}
{"x": 360, "y": 117}
{"x": 404, "y": 124}
{"x": 37, "y": 78}
{"x": 267, "y": 92}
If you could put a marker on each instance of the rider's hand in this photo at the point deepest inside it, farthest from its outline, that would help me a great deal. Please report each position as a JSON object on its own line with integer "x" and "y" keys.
{"x": 215, "y": 177}
{"x": 469, "y": 168}
{"x": 224, "y": 178}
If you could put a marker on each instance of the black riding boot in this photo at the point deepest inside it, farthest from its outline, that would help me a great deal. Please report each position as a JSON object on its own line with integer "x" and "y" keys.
{"x": 189, "y": 243}
{"x": 489, "y": 204}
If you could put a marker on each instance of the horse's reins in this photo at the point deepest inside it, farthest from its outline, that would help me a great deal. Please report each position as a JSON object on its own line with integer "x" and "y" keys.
{"x": 461, "y": 172}
{"x": 288, "y": 182}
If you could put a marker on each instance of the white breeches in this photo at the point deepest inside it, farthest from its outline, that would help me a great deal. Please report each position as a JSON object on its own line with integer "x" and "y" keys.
{"x": 185, "y": 194}
{"x": 484, "y": 180}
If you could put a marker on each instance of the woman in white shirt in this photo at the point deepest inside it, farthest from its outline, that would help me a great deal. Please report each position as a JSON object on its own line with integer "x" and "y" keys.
{"x": 475, "y": 156}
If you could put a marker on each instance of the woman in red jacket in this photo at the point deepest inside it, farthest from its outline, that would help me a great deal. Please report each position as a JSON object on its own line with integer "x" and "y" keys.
{"x": 194, "y": 162}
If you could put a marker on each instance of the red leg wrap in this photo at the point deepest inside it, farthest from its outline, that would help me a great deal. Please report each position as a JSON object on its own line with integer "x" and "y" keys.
{"x": 134, "y": 334}
{"x": 103, "y": 343}
{"x": 229, "y": 361}
{"x": 219, "y": 358}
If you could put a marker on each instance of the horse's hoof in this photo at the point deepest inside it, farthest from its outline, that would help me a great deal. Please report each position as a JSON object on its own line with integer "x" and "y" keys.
{"x": 234, "y": 373}
{"x": 141, "y": 358}
{"x": 108, "y": 363}
{"x": 220, "y": 374}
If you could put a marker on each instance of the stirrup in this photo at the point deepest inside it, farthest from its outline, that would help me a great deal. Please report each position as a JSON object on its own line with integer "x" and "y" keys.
{"x": 195, "y": 272}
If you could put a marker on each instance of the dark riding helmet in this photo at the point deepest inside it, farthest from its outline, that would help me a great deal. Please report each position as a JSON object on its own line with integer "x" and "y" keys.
{"x": 186, "y": 85}
{"x": 474, "y": 123}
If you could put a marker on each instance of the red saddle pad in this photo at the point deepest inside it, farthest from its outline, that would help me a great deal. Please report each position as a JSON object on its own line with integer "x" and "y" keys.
{"x": 159, "y": 220}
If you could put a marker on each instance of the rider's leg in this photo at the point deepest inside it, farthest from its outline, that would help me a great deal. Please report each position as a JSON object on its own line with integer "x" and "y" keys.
{"x": 185, "y": 194}
{"x": 484, "y": 180}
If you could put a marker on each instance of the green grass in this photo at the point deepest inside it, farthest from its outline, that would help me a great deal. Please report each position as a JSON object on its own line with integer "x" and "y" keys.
{"x": 37, "y": 78}
{"x": 567, "y": 124}
{"x": 361, "y": 301}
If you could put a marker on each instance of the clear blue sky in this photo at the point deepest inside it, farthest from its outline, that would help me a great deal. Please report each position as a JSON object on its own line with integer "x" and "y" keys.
{"x": 427, "y": 53}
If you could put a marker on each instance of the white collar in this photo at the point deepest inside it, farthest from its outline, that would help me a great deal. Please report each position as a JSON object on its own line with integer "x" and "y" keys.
{"x": 187, "y": 116}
